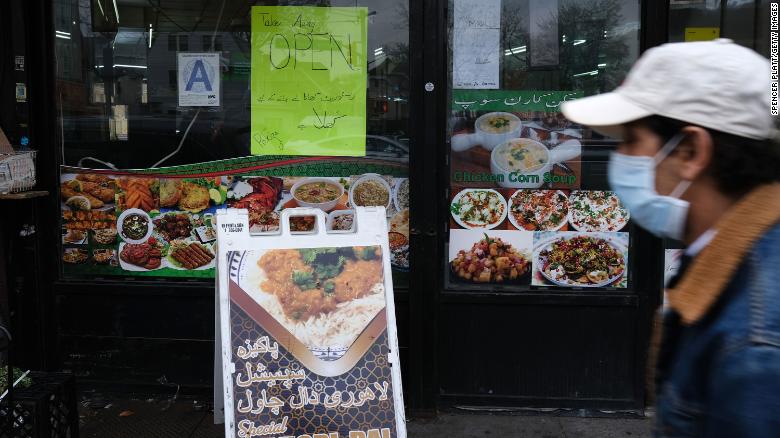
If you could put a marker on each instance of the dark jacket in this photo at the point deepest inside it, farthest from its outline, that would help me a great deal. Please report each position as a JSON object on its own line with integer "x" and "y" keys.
{"x": 718, "y": 371}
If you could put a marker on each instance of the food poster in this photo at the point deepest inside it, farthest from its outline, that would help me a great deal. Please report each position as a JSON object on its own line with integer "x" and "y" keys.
{"x": 514, "y": 139}
{"x": 336, "y": 196}
{"x": 538, "y": 237}
{"x": 139, "y": 225}
{"x": 490, "y": 257}
{"x": 310, "y": 343}
{"x": 575, "y": 259}
{"x": 136, "y": 223}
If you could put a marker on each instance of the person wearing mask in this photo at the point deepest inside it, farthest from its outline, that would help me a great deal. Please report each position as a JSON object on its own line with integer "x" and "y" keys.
{"x": 699, "y": 163}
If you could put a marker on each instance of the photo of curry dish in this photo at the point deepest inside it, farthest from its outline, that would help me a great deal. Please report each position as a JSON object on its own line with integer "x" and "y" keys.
{"x": 317, "y": 192}
{"x": 309, "y": 282}
{"x": 521, "y": 155}
{"x": 325, "y": 297}
{"x": 302, "y": 224}
{"x": 135, "y": 226}
{"x": 173, "y": 226}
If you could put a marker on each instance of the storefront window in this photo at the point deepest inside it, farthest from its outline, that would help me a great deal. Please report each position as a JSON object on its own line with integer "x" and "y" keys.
{"x": 126, "y": 56}
{"x": 118, "y": 72}
{"x": 744, "y": 22}
{"x": 528, "y": 192}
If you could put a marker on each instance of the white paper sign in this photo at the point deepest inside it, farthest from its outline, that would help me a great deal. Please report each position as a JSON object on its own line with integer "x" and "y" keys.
{"x": 199, "y": 79}
{"x": 476, "y": 44}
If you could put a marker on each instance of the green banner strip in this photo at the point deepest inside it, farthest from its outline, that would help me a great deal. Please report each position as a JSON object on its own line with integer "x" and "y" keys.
{"x": 511, "y": 100}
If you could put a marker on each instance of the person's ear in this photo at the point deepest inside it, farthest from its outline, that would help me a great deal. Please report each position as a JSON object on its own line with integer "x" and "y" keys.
{"x": 695, "y": 152}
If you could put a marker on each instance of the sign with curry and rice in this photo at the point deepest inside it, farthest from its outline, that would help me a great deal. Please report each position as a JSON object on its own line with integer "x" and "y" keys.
{"x": 308, "y": 340}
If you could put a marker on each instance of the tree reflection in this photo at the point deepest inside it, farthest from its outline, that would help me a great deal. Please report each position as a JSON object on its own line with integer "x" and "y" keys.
{"x": 594, "y": 59}
{"x": 593, "y": 53}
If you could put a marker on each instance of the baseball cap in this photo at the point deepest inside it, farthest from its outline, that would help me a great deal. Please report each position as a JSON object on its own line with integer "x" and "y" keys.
{"x": 715, "y": 84}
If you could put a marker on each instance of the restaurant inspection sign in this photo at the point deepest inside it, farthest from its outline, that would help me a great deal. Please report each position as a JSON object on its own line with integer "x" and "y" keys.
{"x": 308, "y": 80}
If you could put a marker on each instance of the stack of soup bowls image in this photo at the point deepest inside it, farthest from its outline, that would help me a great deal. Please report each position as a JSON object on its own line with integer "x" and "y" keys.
{"x": 517, "y": 162}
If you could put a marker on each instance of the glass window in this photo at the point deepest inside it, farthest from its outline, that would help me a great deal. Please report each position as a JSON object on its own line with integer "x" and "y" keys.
{"x": 117, "y": 100}
{"x": 693, "y": 18}
{"x": 745, "y": 22}
{"x": 178, "y": 43}
{"x": 121, "y": 57}
{"x": 206, "y": 43}
{"x": 528, "y": 187}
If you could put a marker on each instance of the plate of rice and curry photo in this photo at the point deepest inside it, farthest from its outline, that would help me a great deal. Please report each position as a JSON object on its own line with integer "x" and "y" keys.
{"x": 324, "y": 297}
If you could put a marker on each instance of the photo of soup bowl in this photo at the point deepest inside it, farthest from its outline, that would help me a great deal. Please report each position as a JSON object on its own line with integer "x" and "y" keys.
{"x": 490, "y": 130}
{"x": 523, "y": 162}
{"x": 322, "y": 193}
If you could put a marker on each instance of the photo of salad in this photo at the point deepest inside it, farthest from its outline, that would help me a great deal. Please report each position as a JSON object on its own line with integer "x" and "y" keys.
{"x": 478, "y": 208}
{"x": 595, "y": 210}
{"x": 580, "y": 260}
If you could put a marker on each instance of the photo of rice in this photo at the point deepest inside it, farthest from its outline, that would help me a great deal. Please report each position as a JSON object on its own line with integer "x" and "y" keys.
{"x": 325, "y": 297}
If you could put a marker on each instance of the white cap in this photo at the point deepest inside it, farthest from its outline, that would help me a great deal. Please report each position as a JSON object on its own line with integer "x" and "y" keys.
{"x": 715, "y": 84}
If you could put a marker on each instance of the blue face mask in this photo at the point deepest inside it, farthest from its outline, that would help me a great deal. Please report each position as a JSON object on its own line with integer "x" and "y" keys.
{"x": 633, "y": 180}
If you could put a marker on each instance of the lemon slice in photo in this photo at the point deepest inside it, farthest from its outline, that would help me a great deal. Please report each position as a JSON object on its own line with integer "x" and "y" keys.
{"x": 217, "y": 196}
{"x": 78, "y": 203}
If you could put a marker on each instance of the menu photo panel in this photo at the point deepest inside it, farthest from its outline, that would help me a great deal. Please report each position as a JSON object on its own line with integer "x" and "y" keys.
{"x": 538, "y": 237}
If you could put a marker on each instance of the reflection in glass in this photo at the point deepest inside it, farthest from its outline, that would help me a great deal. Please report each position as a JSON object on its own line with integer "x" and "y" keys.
{"x": 125, "y": 57}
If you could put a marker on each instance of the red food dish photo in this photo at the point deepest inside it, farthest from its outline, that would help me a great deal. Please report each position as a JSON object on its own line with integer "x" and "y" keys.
{"x": 147, "y": 255}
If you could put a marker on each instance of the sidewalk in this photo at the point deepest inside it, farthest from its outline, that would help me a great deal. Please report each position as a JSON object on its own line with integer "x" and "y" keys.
{"x": 184, "y": 419}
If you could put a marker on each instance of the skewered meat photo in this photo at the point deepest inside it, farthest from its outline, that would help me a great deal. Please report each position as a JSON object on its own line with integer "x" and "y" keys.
{"x": 190, "y": 255}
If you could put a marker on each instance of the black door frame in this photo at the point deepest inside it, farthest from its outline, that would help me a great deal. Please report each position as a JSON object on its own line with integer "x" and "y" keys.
{"x": 430, "y": 224}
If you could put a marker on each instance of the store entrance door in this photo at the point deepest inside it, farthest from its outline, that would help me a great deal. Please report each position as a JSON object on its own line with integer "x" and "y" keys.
{"x": 547, "y": 288}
